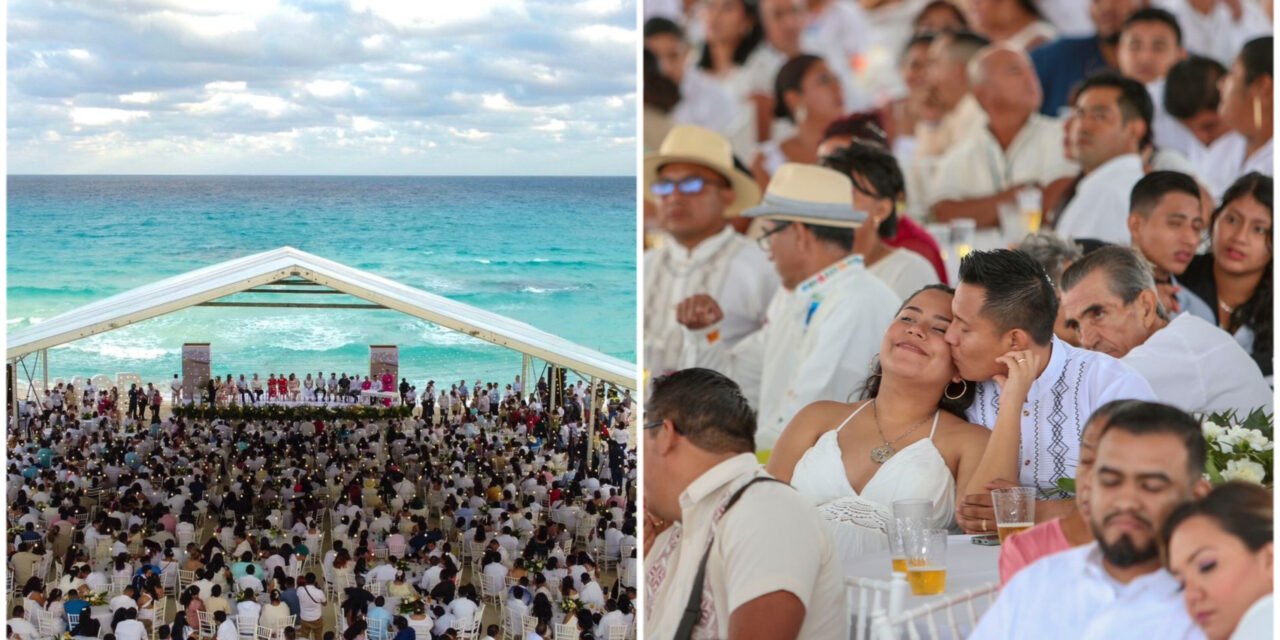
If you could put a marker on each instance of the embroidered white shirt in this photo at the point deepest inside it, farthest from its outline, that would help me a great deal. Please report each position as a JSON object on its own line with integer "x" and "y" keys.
{"x": 816, "y": 344}
{"x": 1059, "y": 403}
{"x": 771, "y": 540}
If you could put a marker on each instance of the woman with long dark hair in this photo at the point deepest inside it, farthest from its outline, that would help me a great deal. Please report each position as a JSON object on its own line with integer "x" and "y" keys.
{"x": 906, "y": 438}
{"x": 1221, "y": 549}
{"x": 1248, "y": 91}
{"x": 1236, "y": 276}
{"x": 807, "y": 93}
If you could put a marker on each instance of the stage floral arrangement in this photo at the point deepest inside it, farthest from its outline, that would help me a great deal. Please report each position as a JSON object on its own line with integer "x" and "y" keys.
{"x": 409, "y": 606}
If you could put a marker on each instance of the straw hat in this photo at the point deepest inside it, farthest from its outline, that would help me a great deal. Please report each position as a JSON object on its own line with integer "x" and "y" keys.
{"x": 810, "y": 194}
{"x": 706, "y": 148}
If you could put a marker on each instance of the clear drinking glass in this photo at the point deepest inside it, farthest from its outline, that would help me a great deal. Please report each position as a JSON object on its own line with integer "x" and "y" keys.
{"x": 926, "y": 561}
{"x": 908, "y": 515}
{"x": 964, "y": 232}
{"x": 1015, "y": 509}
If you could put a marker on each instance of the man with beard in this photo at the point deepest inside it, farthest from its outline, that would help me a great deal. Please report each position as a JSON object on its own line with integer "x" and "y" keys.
{"x": 1150, "y": 459}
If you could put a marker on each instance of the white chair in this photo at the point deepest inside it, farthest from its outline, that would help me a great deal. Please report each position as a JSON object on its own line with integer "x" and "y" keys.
{"x": 206, "y": 627}
{"x": 47, "y": 623}
{"x": 886, "y": 627}
{"x": 378, "y": 630}
{"x": 247, "y": 625}
{"x": 566, "y": 632}
{"x": 865, "y": 596}
{"x": 617, "y": 633}
{"x": 73, "y": 621}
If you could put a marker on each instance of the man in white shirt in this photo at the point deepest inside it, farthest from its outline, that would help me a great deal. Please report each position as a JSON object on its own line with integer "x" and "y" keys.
{"x": 1017, "y": 149}
{"x": 19, "y": 626}
{"x": 695, "y": 186}
{"x": 1218, "y": 29}
{"x": 311, "y": 600}
{"x": 1150, "y": 459}
{"x": 1167, "y": 223}
{"x": 823, "y": 327}
{"x": 1110, "y": 298}
{"x": 226, "y": 628}
{"x": 175, "y": 390}
{"x": 1005, "y": 305}
{"x": 611, "y": 618}
{"x": 960, "y": 113}
{"x": 1110, "y": 123}
{"x": 771, "y": 566}
{"x": 124, "y": 600}
{"x": 590, "y": 593}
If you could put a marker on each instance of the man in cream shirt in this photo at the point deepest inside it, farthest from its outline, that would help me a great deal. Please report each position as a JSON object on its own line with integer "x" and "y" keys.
{"x": 1111, "y": 122}
{"x": 1017, "y": 149}
{"x": 696, "y": 188}
{"x": 771, "y": 571}
{"x": 1110, "y": 297}
{"x": 826, "y": 323}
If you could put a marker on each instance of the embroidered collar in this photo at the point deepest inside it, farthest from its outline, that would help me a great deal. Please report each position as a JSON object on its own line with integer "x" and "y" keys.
{"x": 822, "y": 277}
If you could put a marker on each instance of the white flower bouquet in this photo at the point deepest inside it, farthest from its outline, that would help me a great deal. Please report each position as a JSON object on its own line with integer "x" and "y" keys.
{"x": 1240, "y": 449}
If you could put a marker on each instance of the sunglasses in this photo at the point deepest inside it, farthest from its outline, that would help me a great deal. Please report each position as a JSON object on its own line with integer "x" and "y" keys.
{"x": 692, "y": 185}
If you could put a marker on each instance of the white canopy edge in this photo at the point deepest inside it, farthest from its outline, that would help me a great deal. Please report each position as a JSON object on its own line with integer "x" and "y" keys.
{"x": 234, "y": 276}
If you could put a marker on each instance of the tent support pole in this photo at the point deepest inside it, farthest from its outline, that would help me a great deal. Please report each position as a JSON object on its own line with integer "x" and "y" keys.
{"x": 591, "y": 422}
{"x": 524, "y": 376}
{"x": 44, "y": 358}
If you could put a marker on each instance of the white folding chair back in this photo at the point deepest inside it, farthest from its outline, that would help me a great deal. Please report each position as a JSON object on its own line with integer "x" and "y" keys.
{"x": 47, "y": 623}
{"x": 377, "y": 629}
{"x": 247, "y": 625}
{"x": 566, "y": 632}
{"x": 73, "y": 621}
{"x": 865, "y": 596}
{"x": 264, "y": 633}
{"x": 617, "y": 632}
{"x": 885, "y": 627}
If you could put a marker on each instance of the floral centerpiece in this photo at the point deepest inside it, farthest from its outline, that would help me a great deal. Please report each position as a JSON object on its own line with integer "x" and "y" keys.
{"x": 97, "y": 599}
{"x": 276, "y": 533}
{"x": 1240, "y": 449}
{"x": 536, "y": 565}
{"x": 409, "y": 606}
{"x": 570, "y": 605}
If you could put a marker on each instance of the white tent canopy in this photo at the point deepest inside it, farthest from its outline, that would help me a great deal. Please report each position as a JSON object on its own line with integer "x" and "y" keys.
{"x": 242, "y": 274}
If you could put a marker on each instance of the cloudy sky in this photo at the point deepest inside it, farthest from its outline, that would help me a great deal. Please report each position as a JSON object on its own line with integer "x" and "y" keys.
{"x": 523, "y": 87}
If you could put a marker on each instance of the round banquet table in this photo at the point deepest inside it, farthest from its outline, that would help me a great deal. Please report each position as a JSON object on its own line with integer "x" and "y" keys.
{"x": 968, "y": 565}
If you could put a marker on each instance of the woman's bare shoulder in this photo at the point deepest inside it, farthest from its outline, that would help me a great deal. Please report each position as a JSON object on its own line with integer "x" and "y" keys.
{"x": 951, "y": 427}
{"x": 819, "y": 417}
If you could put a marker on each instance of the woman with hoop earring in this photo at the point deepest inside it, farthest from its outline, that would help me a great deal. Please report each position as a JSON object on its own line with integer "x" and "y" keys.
{"x": 905, "y": 438}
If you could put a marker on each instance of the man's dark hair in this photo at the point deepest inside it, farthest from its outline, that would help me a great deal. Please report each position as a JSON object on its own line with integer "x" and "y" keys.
{"x": 1154, "y": 186}
{"x": 1149, "y": 418}
{"x": 662, "y": 26}
{"x": 964, "y": 45}
{"x": 1192, "y": 86}
{"x": 864, "y": 127}
{"x": 1134, "y": 101}
{"x": 1154, "y": 14}
{"x": 839, "y": 236}
{"x": 881, "y": 173}
{"x": 1256, "y": 59}
{"x": 707, "y": 408}
{"x": 925, "y": 39}
{"x": 747, "y": 44}
{"x": 1127, "y": 272}
{"x": 1019, "y": 293}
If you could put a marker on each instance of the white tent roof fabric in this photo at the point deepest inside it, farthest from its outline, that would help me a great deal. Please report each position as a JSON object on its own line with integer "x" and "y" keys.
{"x": 234, "y": 276}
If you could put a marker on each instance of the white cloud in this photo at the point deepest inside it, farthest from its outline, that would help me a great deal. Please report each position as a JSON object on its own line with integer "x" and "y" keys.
{"x": 498, "y": 102}
{"x": 606, "y": 34}
{"x": 470, "y": 134}
{"x": 363, "y": 124}
{"x": 139, "y": 97}
{"x": 225, "y": 86}
{"x": 79, "y": 54}
{"x": 99, "y": 116}
{"x": 333, "y": 89}
{"x": 552, "y": 126}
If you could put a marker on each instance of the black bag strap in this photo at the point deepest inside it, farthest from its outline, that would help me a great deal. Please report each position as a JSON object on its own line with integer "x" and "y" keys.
{"x": 693, "y": 610}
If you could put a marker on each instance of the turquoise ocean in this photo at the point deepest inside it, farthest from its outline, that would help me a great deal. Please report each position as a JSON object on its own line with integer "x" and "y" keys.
{"x": 558, "y": 253}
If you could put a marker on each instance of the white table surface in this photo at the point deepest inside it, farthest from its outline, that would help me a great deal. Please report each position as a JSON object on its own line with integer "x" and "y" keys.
{"x": 968, "y": 565}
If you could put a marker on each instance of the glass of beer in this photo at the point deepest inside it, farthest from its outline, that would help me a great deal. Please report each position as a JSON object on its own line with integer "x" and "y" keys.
{"x": 926, "y": 561}
{"x": 1015, "y": 509}
{"x": 907, "y": 515}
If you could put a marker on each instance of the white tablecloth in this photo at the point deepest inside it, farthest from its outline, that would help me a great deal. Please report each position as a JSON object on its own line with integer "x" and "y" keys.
{"x": 968, "y": 565}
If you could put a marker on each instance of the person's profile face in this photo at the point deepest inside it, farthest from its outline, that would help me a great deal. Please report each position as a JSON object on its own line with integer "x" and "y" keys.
{"x": 1171, "y": 233}
{"x": 1098, "y": 129}
{"x": 975, "y": 341}
{"x": 1101, "y": 318}
{"x": 1220, "y": 576}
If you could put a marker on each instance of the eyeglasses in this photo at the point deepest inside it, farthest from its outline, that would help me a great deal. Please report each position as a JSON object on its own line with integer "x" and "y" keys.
{"x": 658, "y": 423}
{"x": 692, "y": 185}
{"x": 765, "y": 241}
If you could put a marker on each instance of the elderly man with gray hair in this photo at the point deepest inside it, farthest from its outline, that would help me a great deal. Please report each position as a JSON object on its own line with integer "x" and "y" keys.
{"x": 1110, "y": 298}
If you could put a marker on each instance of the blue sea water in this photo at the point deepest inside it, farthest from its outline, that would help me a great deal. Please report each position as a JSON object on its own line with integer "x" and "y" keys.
{"x": 557, "y": 253}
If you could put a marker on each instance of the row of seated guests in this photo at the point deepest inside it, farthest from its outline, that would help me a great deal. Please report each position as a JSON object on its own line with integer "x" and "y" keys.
{"x": 771, "y": 76}
{"x": 241, "y": 504}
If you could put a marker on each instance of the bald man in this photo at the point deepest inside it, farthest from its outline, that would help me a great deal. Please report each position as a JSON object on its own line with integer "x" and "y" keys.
{"x": 1017, "y": 148}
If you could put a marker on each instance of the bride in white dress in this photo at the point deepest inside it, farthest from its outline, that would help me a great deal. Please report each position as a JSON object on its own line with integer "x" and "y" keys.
{"x": 906, "y": 438}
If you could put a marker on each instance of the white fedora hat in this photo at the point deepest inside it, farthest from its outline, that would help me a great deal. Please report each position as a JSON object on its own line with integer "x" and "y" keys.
{"x": 703, "y": 147}
{"x": 810, "y": 194}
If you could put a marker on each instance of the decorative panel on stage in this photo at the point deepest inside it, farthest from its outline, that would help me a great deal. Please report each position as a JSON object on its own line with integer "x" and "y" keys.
{"x": 196, "y": 365}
